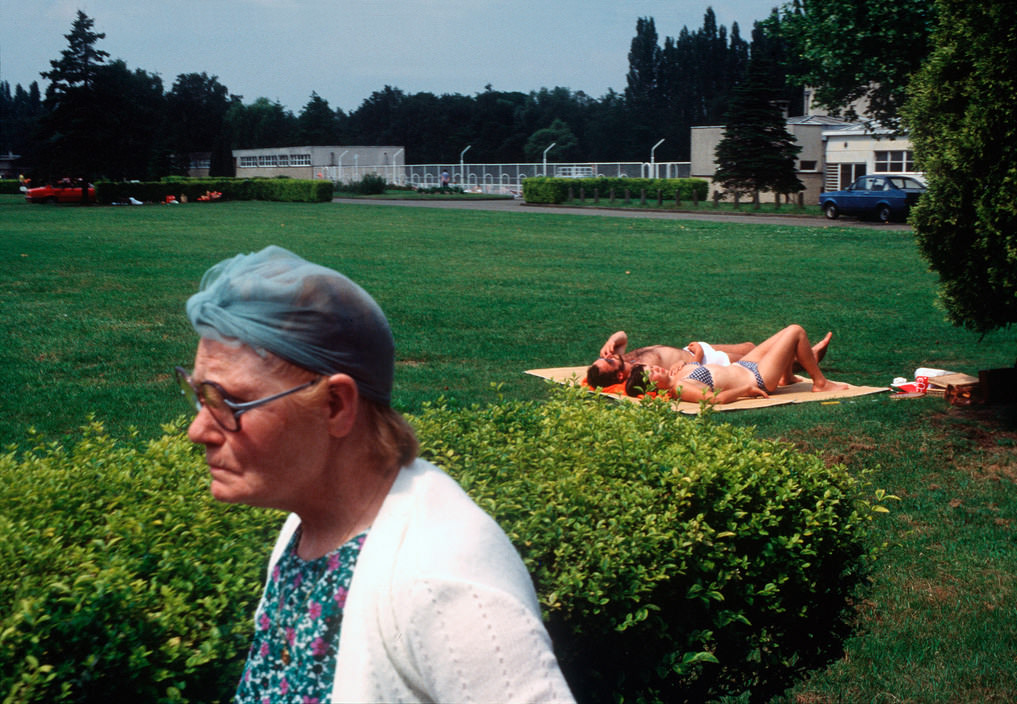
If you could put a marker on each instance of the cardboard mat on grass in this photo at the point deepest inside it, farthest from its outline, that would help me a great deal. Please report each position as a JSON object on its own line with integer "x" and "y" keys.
{"x": 795, "y": 393}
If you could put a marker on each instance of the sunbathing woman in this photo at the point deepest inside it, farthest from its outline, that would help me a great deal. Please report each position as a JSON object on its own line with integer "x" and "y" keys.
{"x": 758, "y": 373}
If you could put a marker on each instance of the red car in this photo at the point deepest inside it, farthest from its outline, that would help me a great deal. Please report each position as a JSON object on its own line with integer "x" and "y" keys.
{"x": 64, "y": 192}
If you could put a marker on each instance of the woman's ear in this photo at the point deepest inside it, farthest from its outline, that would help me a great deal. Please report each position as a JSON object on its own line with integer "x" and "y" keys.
{"x": 343, "y": 404}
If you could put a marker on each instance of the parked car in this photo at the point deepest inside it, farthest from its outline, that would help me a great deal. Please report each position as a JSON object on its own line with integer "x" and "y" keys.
{"x": 65, "y": 191}
{"x": 882, "y": 196}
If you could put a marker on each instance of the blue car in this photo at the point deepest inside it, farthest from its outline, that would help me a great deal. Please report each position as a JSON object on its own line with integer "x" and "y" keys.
{"x": 882, "y": 196}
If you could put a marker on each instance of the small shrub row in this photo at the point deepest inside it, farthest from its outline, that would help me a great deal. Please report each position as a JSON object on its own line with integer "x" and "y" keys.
{"x": 274, "y": 189}
{"x": 440, "y": 190}
{"x": 675, "y": 559}
{"x": 556, "y": 190}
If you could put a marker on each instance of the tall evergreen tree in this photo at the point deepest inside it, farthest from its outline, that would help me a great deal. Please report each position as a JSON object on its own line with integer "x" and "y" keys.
{"x": 642, "y": 94}
{"x": 644, "y": 62}
{"x": 757, "y": 153}
{"x": 67, "y": 131}
{"x": 79, "y": 62}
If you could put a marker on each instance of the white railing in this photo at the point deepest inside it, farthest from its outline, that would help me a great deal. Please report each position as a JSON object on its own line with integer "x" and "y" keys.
{"x": 499, "y": 178}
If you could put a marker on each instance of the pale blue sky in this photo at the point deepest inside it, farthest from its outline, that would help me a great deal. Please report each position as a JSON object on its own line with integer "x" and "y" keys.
{"x": 345, "y": 49}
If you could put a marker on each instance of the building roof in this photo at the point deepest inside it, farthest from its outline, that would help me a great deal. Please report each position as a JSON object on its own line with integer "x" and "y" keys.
{"x": 861, "y": 129}
{"x": 825, "y": 120}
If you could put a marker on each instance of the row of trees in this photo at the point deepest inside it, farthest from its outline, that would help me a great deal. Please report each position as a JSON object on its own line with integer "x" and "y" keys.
{"x": 101, "y": 118}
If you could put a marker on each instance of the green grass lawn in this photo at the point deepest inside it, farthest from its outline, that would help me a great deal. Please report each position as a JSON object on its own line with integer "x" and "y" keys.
{"x": 91, "y": 311}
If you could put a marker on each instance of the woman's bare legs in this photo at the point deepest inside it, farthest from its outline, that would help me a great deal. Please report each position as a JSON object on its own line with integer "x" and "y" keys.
{"x": 818, "y": 349}
{"x": 775, "y": 355}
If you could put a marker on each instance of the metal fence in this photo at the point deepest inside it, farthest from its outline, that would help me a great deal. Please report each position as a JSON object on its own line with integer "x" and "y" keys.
{"x": 501, "y": 178}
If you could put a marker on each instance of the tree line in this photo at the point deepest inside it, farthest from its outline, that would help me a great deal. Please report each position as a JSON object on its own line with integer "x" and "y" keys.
{"x": 100, "y": 118}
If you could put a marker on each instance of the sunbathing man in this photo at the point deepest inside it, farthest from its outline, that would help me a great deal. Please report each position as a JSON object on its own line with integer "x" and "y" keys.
{"x": 615, "y": 364}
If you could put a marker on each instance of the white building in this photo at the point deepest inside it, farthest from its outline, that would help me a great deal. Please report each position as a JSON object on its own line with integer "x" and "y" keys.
{"x": 833, "y": 153}
{"x": 854, "y": 151}
{"x": 808, "y": 131}
{"x": 339, "y": 164}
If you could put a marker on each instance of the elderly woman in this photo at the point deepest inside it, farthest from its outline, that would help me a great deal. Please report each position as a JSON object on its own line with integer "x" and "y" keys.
{"x": 387, "y": 583}
{"x": 758, "y": 373}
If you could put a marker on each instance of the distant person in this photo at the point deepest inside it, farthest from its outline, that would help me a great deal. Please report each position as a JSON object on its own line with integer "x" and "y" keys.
{"x": 444, "y": 179}
{"x": 387, "y": 582}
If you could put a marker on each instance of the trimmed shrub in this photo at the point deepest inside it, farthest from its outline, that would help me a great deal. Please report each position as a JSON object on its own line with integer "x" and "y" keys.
{"x": 369, "y": 185}
{"x": 123, "y": 580}
{"x": 544, "y": 189}
{"x": 555, "y": 190}
{"x": 676, "y": 559}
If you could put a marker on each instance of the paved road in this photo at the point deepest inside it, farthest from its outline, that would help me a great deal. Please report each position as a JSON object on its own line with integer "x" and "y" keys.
{"x": 517, "y": 206}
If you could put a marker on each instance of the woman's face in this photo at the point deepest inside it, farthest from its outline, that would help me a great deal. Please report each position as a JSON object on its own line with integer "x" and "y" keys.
{"x": 277, "y": 457}
{"x": 659, "y": 376}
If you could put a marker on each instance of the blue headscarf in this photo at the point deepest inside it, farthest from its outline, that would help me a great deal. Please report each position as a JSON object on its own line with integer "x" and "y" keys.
{"x": 302, "y": 312}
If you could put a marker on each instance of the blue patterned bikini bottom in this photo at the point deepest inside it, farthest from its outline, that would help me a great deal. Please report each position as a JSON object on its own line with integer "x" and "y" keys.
{"x": 754, "y": 368}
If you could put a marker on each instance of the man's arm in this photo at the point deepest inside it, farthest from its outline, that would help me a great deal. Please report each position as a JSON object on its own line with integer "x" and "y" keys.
{"x": 615, "y": 344}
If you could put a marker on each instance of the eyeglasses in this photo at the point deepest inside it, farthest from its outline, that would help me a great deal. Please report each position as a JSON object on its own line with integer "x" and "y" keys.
{"x": 225, "y": 410}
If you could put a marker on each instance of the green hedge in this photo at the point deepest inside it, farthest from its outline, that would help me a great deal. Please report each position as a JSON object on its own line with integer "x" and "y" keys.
{"x": 675, "y": 559}
{"x": 556, "y": 190}
{"x": 122, "y": 580}
{"x": 10, "y": 186}
{"x": 274, "y": 189}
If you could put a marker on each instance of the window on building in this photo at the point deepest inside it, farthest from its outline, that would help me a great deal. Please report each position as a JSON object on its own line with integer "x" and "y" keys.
{"x": 300, "y": 159}
{"x": 894, "y": 161}
{"x": 248, "y": 162}
{"x": 267, "y": 160}
{"x": 807, "y": 166}
{"x": 849, "y": 173}
{"x": 284, "y": 160}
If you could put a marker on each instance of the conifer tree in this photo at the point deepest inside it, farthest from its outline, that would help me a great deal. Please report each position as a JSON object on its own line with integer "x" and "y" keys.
{"x": 757, "y": 153}
{"x": 79, "y": 62}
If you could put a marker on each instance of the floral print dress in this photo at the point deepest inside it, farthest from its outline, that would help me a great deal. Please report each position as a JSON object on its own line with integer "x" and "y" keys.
{"x": 296, "y": 636}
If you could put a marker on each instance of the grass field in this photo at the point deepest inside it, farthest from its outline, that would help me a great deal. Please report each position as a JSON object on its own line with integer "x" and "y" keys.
{"x": 91, "y": 311}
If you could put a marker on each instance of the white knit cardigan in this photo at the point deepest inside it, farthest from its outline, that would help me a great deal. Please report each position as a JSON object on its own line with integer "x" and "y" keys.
{"x": 441, "y": 607}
